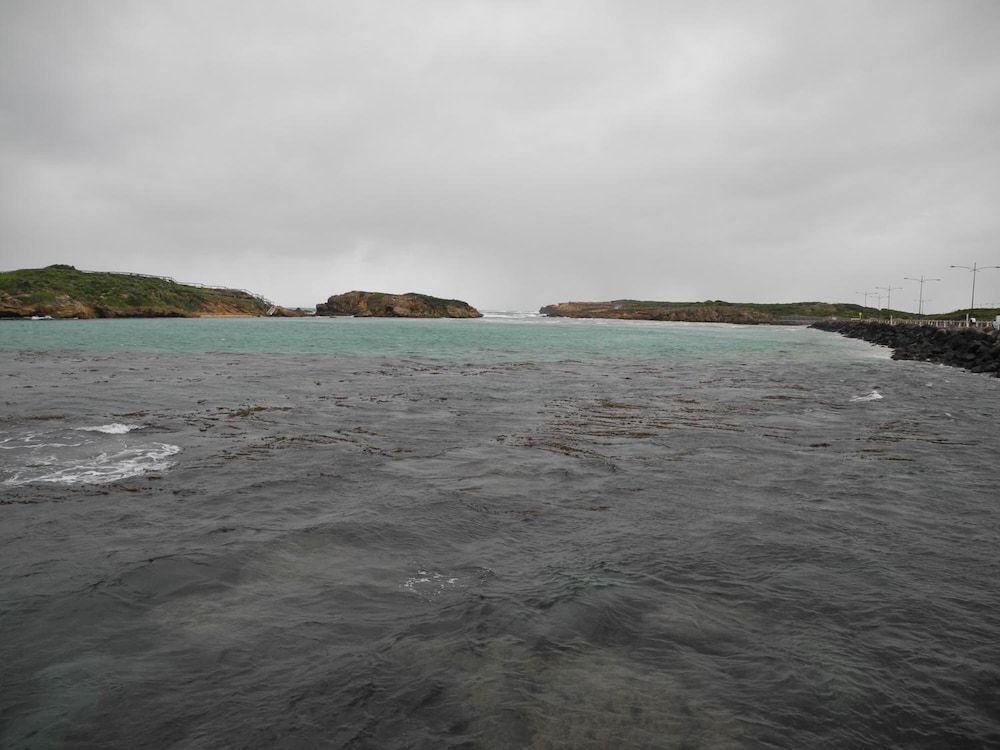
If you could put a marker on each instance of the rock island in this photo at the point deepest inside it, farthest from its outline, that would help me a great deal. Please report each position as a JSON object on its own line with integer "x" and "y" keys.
{"x": 382, "y": 305}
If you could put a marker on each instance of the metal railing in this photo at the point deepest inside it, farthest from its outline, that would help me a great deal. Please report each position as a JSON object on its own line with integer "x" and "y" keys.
{"x": 937, "y": 323}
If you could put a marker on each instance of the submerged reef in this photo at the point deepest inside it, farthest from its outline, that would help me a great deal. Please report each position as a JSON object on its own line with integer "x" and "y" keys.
{"x": 969, "y": 348}
{"x": 382, "y": 305}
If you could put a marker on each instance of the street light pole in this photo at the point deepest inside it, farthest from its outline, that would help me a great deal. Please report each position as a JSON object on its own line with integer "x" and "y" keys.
{"x": 920, "y": 304}
{"x": 865, "y": 295}
{"x": 975, "y": 269}
{"x": 888, "y": 297}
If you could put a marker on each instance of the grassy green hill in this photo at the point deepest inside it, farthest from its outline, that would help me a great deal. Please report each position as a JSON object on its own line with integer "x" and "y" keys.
{"x": 715, "y": 311}
{"x": 64, "y": 292}
{"x": 980, "y": 313}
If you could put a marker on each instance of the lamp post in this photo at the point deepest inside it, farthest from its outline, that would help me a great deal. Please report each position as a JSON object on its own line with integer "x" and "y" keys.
{"x": 920, "y": 304}
{"x": 888, "y": 297}
{"x": 865, "y": 295}
{"x": 975, "y": 268}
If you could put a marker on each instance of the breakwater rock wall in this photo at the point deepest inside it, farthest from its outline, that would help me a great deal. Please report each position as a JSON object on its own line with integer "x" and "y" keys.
{"x": 972, "y": 349}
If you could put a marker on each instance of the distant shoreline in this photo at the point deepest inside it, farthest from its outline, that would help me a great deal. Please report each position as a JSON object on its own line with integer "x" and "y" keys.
{"x": 746, "y": 313}
{"x": 64, "y": 292}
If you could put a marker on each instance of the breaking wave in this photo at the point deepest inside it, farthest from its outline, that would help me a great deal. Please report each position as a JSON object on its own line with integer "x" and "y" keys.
{"x": 873, "y": 396}
{"x": 115, "y": 428}
{"x": 80, "y": 455}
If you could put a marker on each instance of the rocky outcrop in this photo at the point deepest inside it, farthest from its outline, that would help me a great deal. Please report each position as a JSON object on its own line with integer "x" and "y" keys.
{"x": 969, "y": 348}
{"x": 381, "y": 305}
{"x": 286, "y": 312}
{"x": 61, "y": 306}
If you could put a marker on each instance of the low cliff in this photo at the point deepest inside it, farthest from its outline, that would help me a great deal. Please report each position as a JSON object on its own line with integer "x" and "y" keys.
{"x": 381, "y": 305}
{"x": 711, "y": 311}
{"x": 969, "y": 348}
{"x": 64, "y": 292}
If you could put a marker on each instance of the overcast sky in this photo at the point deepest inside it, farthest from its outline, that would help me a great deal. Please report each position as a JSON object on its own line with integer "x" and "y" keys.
{"x": 511, "y": 154}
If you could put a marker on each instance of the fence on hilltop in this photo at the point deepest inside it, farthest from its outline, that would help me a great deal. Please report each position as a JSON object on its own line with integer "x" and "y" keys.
{"x": 171, "y": 280}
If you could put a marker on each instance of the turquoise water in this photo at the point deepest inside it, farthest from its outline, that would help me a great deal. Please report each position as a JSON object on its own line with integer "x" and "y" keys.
{"x": 488, "y": 339}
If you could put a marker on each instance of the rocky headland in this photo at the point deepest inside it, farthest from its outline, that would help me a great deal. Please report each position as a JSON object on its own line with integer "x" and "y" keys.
{"x": 382, "y": 305}
{"x": 712, "y": 311}
{"x": 969, "y": 348}
{"x": 62, "y": 291}
{"x": 287, "y": 312}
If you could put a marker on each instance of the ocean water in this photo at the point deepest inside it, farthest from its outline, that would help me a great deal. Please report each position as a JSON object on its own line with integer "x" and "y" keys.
{"x": 510, "y": 532}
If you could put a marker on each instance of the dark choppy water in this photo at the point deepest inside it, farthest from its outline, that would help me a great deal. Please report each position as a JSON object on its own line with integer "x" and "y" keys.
{"x": 626, "y": 549}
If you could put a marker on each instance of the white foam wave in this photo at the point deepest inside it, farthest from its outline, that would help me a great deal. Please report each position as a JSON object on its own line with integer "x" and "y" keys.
{"x": 429, "y": 583}
{"x": 99, "y": 469}
{"x": 115, "y": 428}
{"x": 873, "y": 396}
{"x": 510, "y": 315}
{"x": 31, "y": 443}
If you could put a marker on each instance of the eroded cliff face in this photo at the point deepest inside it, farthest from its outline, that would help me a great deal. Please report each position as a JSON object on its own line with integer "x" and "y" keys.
{"x": 64, "y": 306}
{"x": 381, "y": 305}
{"x": 61, "y": 307}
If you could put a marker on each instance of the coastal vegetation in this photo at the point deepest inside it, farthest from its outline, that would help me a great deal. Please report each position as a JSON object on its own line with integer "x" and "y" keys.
{"x": 382, "y": 305}
{"x": 62, "y": 291}
{"x": 710, "y": 311}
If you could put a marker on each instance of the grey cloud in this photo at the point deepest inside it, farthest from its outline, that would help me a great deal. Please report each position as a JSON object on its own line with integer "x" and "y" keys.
{"x": 513, "y": 154}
